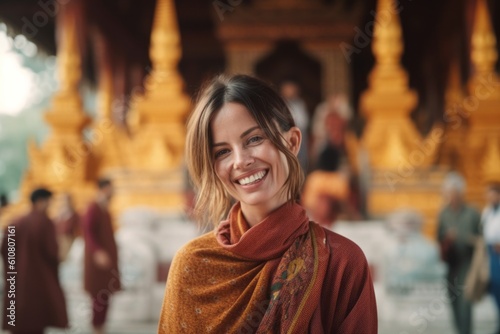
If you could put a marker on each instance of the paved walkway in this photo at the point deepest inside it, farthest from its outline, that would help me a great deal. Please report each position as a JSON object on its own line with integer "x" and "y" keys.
{"x": 430, "y": 326}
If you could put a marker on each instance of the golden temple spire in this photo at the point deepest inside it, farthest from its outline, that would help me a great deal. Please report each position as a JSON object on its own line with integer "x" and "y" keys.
{"x": 387, "y": 46}
{"x": 388, "y": 101}
{"x": 64, "y": 147}
{"x": 164, "y": 81}
{"x": 67, "y": 100}
{"x": 157, "y": 118}
{"x": 484, "y": 53}
{"x": 481, "y": 107}
{"x": 165, "y": 51}
{"x": 484, "y": 88}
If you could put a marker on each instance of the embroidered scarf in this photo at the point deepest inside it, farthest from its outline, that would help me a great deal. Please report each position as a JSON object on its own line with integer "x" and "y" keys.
{"x": 263, "y": 279}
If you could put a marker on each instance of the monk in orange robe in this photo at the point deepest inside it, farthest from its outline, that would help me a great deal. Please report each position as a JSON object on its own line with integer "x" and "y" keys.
{"x": 33, "y": 298}
{"x": 101, "y": 276}
{"x": 266, "y": 268}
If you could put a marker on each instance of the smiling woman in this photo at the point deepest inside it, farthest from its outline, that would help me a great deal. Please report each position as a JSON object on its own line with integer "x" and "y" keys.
{"x": 265, "y": 268}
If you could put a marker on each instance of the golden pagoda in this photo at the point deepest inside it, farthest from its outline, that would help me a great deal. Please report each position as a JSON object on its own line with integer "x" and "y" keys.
{"x": 399, "y": 157}
{"x": 151, "y": 171}
{"x": 63, "y": 162}
{"x": 482, "y": 109}
{"x": 145, "y": 160}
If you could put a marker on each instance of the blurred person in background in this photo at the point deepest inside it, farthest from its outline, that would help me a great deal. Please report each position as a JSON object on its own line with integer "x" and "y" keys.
{"x": 290, "y": 91}
{"x": 3, "y": 203}
{"x": 330, "y": 191}
{"x": 68, "y": 225}
{"x": 337, "y": 104}
{"x": 491, "y": 229}
{"x": 457, "y": 232}
{"x": 412, "y": 259}
{"x": 101, "y": 276}
{"x": 36, "y": 293}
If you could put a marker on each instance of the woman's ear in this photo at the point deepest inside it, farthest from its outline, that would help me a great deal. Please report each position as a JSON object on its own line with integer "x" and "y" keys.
{"x": 294, "y": 138}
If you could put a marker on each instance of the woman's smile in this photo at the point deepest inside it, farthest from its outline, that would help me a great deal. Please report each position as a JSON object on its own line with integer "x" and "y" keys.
{"x": 253, "y": 178}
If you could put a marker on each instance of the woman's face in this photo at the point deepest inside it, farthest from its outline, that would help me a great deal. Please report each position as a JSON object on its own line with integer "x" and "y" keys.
{"x": 247, "y": 163}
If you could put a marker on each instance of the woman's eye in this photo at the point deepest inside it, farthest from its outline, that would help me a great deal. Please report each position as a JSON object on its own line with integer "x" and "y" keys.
{"x": 255, "y": 139}
{"x": 221, "y": 153}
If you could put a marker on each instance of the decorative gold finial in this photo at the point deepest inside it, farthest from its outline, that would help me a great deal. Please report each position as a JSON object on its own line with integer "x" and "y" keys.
{"x": 484, "y": 53}
{"x": 165, "y": 51}
{"x": 387, "y": 42}
{"x": 67, "y": 100}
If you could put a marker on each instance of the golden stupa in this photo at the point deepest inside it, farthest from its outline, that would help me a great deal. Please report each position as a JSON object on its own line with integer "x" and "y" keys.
{"x": 145, "y": 161}
{"x": 400, "y": 159}
{"x": 482, "y": 144}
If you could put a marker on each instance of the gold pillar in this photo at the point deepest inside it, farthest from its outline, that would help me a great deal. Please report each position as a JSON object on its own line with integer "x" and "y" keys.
{"x": 111, "y": 142}
{"x": 451, "y": 153}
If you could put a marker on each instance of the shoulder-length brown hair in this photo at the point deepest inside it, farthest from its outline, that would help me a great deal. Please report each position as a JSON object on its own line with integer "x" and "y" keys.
{"x": 271, "y": 114}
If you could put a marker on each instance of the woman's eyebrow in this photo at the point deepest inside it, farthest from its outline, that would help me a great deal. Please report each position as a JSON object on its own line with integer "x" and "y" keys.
{"x": 241, "y": 136}
{"x": 248, "y": 131}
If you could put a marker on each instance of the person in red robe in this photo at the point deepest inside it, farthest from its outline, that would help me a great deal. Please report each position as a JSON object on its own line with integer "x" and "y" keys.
{"x": 33, "y": 298}
{"x": 265, "y": 268}
{"x": 67, "y": 226}
{"x": 101, "y": 275}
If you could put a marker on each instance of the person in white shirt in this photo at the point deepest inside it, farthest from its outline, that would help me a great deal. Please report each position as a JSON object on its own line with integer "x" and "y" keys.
{"x": 491, "y": 231}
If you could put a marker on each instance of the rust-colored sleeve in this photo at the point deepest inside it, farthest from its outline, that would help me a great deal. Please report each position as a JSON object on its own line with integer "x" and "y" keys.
{"x": 361, "y": 311}
{"x": 352, "y": 301}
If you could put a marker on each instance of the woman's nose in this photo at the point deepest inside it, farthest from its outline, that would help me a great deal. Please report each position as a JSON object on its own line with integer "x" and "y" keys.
{"x": 242, "y": 159}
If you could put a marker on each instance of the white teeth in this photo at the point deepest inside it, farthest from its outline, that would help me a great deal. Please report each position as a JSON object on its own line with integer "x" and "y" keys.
{"x": 252, "y": 178}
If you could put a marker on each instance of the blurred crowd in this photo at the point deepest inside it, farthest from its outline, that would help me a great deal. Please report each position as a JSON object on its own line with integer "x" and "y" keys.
{"x": 34, "y": 245}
